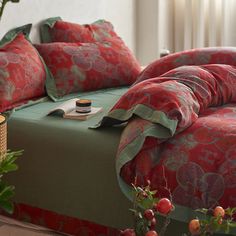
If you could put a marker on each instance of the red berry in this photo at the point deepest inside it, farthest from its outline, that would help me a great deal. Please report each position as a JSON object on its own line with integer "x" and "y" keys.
{"x": 148, "y": 214}
{"x": 219, "y": 211}
{"x": 194, "y": 227}
{"x": 128, "y": 232}
{"x": 151, "y": 233}
{"x": 164, "y": 206}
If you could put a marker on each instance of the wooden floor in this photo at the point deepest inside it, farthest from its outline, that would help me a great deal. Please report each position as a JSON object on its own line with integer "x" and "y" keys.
{"x": 10, "y": 227}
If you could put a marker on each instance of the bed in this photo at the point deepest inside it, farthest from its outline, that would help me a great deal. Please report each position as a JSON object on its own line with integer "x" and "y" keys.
{"x": 164, "y": 124}
{"x": 180, "y": 132}
{"x": 61, "y": 151}
{"x": 66, "y": 167}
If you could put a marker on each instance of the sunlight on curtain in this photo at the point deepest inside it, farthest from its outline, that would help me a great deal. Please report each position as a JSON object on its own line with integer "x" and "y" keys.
{"x": 196, "y": 23}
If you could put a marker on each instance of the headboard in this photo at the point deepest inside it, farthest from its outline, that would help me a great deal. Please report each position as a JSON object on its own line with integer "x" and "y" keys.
{"x": 121, "y": 13}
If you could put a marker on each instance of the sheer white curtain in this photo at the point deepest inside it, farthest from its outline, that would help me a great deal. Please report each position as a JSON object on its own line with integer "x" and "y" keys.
{"x": 185, "y": 24}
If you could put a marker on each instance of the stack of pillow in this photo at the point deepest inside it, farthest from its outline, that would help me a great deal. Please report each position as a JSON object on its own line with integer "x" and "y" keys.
{"x": 22, "y": 71}
{"x": 73, "y": 58}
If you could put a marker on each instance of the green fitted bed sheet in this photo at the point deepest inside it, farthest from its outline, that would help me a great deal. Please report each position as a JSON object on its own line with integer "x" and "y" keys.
{"x": 66, "y": 167}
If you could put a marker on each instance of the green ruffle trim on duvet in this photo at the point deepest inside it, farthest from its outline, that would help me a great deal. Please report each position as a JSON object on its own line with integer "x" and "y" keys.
{"x": 181, "y": 213}
{"x": 119, "y": 116}
{"x": 133, "y": 148}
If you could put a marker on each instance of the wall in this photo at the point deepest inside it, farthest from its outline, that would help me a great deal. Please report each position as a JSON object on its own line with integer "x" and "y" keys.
{"x": 148, "y": 31}
{"x": 120, "y": 12}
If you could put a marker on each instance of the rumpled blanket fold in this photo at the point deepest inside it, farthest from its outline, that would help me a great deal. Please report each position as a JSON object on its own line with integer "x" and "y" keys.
{"x": 181, "y": 132}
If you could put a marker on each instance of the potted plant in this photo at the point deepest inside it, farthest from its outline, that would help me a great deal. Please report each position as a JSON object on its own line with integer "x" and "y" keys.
{"x": 3, "y": 4}
{"x": 7, "y": 164}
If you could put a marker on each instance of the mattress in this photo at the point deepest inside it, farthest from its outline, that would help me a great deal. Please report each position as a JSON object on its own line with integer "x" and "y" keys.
{"x": 66, "y": 167}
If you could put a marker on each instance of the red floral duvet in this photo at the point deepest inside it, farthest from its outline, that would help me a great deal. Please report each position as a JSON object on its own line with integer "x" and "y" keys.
{"x": 180, "y": 130}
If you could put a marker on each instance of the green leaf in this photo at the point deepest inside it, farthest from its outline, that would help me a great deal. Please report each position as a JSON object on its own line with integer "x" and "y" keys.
{"x": 146, "y": 203}
{"x": 202, "y": 210}
{"x": 7, "y": 192}
{"x": 230, "y": 211}
{"x": 7, "y": 164}
{"x": 15, "y": 1}
{"x": 204, "y": 222}
{"x": 10, "y": 167}
{"x": 153, "y": 192}
{"x": 7, "y": 206}
{"x": 140, "y": 227}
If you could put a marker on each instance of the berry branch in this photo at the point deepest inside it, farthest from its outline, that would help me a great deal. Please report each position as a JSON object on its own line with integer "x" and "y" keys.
{"x": 167, "y": 219}
{"x": 146, "y": 208}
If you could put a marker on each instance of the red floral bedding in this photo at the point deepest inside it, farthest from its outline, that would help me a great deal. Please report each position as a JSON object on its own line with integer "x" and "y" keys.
{"x": 180, "y": 129}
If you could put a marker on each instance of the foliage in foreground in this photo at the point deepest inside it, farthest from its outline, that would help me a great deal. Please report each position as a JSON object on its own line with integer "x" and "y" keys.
{"x": 7, "y": 164}
{"x": 146, "y": 208}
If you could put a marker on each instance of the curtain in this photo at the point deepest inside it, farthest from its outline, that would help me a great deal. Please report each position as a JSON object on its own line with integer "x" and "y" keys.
{"x": 186, "y": 24}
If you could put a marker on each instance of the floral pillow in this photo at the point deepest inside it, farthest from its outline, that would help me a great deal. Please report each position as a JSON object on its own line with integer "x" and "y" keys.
{"x": 56, "y": 30}
{"x": 22, "y": 71}
{"x": 78, "y": 67}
